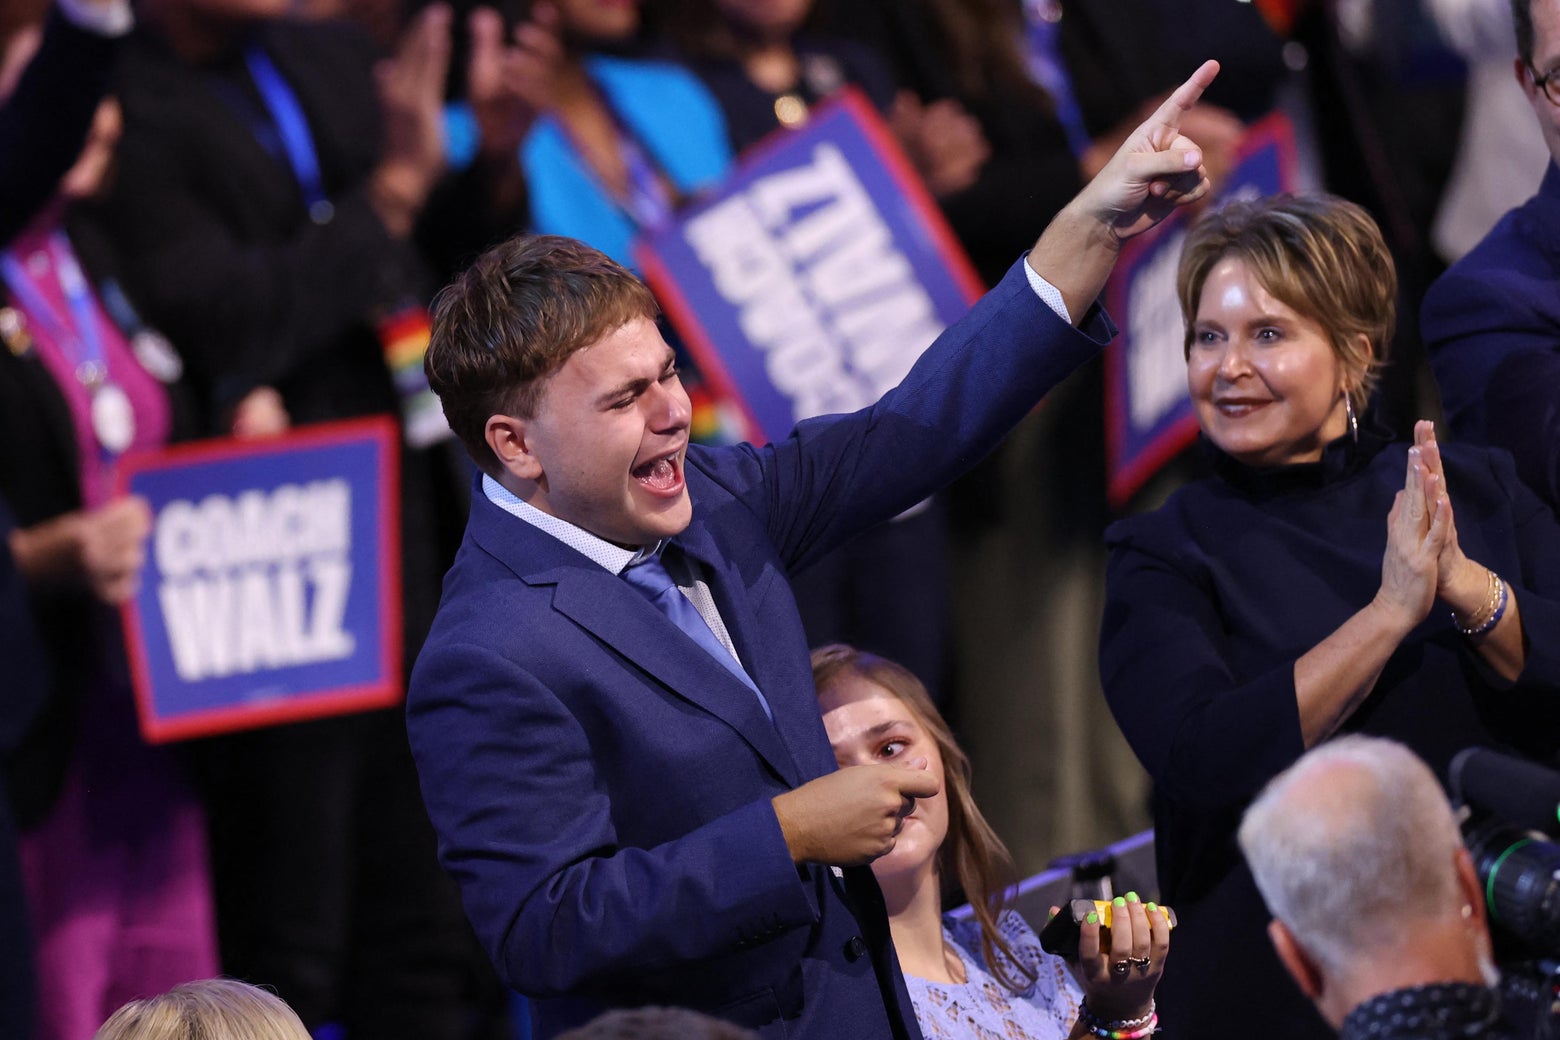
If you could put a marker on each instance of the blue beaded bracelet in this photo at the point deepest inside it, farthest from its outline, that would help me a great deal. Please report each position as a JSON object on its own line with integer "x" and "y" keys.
{"x": 1501, "y": 598}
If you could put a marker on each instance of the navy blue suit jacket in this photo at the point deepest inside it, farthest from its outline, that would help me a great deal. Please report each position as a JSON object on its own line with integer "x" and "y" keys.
{"x": 1492, "y": 323}
{"x": 601, "y": 786}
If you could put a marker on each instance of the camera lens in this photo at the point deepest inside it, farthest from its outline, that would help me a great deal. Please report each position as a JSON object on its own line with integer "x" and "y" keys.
{"x": 1520, "y": 871}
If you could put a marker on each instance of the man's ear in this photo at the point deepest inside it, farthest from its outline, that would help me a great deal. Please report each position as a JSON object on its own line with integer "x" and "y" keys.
{"x": 1297, "y": 962}
{"x": 1468, "y": 883}
{"x": 507, "y": 436}
{"x": 1528, "y": 87}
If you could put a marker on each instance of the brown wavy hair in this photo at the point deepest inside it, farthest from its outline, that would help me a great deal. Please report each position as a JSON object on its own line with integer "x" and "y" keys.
{"x": 972, "y": 861}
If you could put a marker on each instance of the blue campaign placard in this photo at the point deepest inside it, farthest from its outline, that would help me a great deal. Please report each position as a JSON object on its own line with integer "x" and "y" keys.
{"x": 1149, "y": 417}
{"x": 271, "y": 591}
{"x": 811, "y": 281}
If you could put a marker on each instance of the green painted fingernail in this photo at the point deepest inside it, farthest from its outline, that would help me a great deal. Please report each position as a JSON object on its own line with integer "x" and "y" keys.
{"x": 1150, "y": 907}
{"x": 1118, "y": 901}
{"x": 1093, "y": 918}
{"x": 1132, "y": 897}
{"x": 1051, "y": 914}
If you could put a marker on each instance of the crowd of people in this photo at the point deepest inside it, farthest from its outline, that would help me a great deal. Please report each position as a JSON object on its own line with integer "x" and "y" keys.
{"x": 218, "y": 218}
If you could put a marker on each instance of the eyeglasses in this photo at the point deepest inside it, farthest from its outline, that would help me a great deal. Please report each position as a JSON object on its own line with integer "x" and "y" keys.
{"x": 1547, "y": 83}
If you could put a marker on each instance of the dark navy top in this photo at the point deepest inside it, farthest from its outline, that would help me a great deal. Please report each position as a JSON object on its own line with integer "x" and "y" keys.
{"x": 1211, "y": 599}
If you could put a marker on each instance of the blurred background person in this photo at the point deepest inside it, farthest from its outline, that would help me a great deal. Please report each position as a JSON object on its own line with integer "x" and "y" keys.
{"x": 114, "y": 843}
{"x": 273, "y": 176}
{"x": 985, "y": 975}
{"x": 1378, "y": 913}
{"x": 626, "y": 140}
{"x": 210, "y": 1009}
{"x": 45, "y": 117}
{"x": 1320, "y": 581}
{"x": 1500, "y": 161}
{"x": 888, "y": 589}
{"x": 1493, "y": 320}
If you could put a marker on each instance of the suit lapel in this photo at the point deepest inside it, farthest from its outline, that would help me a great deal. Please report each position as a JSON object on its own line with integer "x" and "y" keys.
{"x": 604, "y": 605}
{"x": 795, "y": 707}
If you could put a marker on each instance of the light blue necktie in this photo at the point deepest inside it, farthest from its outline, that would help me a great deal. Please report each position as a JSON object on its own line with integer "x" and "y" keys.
{"x": 650, "y": 577}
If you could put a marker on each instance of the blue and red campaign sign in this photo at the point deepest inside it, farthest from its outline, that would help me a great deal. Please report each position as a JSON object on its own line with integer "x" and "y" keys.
{"x": 1148, "y": 415}
{"x": 818, "y": 273}
{"x": 271, "y": 591}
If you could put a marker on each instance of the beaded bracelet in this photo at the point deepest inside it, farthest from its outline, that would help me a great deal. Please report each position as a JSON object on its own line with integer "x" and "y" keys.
{"x": 1147, "y": 1029}
{"x": 1493, "y": 610}
{"x": 1121, "y": 1028}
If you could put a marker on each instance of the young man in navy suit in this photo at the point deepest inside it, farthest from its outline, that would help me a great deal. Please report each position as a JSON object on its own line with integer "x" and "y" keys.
{"x": 632, "y": 784}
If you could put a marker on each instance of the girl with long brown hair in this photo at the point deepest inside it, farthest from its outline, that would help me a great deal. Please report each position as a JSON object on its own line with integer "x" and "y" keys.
{"x": 990, "y": 974}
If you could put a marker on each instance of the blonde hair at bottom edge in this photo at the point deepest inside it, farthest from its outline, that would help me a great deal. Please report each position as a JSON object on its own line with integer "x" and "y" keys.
{"x": 209, "y": 1009}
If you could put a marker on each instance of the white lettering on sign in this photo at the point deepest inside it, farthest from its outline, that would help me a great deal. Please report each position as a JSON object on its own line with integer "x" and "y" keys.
{"x": 807, "y": 260}
{"x": 1156, "y": 361}
{"x": 256, "y": 581}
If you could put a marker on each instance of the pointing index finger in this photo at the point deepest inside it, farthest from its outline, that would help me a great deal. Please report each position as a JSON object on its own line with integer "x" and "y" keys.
{"x": 1185, "y": 96}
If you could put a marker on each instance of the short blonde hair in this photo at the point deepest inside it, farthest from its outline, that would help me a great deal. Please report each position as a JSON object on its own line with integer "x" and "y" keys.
{"x": 1319, "y": 255}
{"x": 209, "y": 1009}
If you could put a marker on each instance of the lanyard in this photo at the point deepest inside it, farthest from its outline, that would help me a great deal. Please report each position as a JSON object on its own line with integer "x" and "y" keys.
{"x": 281, "y": 103}
{"x": 77, "y": 333}
{"x": 646, "y": 203}
{"x": 1048, "y": 69}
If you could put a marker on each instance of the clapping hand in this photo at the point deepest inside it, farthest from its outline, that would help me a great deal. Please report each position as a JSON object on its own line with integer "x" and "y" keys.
{"x": 508, "y": 84}
{"x": 1417, "y": 530}
{"x": 411, "y": 95}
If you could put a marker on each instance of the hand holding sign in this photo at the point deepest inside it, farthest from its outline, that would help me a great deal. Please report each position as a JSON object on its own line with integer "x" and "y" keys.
{"x": 1155, "y": 170}
{"x": 103, "y": 549}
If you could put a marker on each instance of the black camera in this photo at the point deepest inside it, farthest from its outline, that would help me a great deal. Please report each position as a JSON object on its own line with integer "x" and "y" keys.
{"x": 1510, "y": 811}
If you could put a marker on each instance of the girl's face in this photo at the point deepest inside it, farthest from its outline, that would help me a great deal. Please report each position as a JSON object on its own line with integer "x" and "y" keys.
{"x": 867, "y": 724}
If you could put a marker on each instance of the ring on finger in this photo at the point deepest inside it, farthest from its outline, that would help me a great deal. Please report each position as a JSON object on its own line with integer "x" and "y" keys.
{"x": 1120, "y": 968}
{"x": 1140, "y": 963}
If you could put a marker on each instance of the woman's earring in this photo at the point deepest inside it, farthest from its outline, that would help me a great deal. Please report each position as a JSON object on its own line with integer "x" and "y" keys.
{"x": 1354, "y": 423}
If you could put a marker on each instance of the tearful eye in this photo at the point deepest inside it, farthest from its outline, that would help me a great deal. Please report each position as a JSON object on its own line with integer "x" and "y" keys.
{"x": 892, "y": 748}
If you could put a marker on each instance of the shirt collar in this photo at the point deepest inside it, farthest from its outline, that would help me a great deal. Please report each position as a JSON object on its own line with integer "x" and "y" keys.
{"x": 1428, "y": 1012}
{"x": 614, "y": 558}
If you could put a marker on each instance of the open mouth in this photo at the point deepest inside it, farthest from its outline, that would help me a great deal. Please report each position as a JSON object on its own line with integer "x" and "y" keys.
{"x": 662, "y": 474}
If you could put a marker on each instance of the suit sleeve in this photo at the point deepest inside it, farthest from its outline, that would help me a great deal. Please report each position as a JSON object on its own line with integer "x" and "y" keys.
{"x": 527, "y": 831}
{"x": 44, "y": 123}
{"x": 1208, "y": 740}
{"x": 1497, "y": 360}
{"x": 1537, "y": 586}
{"x": 836, "y": 475}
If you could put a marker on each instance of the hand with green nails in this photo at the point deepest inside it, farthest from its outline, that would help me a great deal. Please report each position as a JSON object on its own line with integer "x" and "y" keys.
{"x": 1121, "y": 954}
